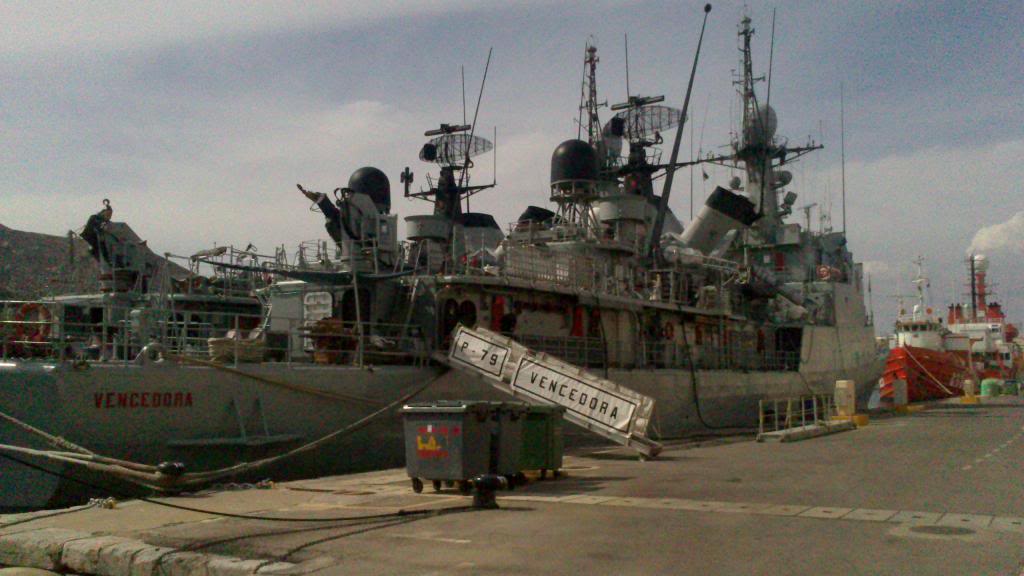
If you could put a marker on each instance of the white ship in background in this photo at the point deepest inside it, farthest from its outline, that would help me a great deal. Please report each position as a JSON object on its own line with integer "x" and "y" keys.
{"x": 269, "y": 352}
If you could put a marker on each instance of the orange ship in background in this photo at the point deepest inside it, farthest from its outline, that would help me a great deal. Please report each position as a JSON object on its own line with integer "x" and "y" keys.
{"x": 934, "y": 359}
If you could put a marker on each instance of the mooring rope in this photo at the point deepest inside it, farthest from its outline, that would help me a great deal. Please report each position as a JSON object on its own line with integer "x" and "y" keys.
{"x": 934, "y": 379}
{"x": 152, "y": 477}
{"x": 55, "y": 441}
{"x": 280, "y": 383}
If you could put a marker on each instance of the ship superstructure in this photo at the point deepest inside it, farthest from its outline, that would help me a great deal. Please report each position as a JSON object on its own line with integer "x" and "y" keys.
{"x": 993, "y": 350}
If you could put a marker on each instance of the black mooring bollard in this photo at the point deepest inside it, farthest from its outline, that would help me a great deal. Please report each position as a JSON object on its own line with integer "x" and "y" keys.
{"x": 484, "y": 487}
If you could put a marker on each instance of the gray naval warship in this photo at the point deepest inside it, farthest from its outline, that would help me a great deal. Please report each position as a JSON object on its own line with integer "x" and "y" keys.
{"x": 228, "y": 355}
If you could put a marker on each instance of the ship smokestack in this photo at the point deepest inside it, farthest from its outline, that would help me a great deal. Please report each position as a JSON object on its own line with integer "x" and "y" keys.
{"x": 723, "y": 212}
{"x": 979, "y": 290}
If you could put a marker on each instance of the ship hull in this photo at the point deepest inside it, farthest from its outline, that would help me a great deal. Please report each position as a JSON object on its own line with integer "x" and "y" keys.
{"x": 209, "y": 418}
{"x": 929, "y": 374}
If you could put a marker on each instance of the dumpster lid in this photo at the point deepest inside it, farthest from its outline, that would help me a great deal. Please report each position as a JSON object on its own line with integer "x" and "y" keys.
{"x": 544, "y": 409}
{"x": 446, "y": 406}
{"x": 514, "y": 408}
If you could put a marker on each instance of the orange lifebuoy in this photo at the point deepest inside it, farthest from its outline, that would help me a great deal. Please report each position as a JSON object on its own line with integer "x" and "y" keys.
{"x": 669, "y": 331}
{"x": 824, "y": 272}
{"x": 40, "y": 326}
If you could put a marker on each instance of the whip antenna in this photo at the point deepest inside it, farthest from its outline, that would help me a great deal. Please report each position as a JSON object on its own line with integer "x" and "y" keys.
{"x": 472, "y": 128}
{"x": 659, "y": 221}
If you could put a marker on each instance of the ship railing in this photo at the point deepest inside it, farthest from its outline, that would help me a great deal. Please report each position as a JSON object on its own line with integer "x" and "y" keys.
{"x": 777, "y": 414}
{"x": 563, "y": 269}
{"x": 206, "y": 277}
{"x": 582, "y": 272}
{"x": 582, "y": 351}
{"x": 60, "y": 333}
{"x": 662, "y": 354}
{"x": 592, "y": 352}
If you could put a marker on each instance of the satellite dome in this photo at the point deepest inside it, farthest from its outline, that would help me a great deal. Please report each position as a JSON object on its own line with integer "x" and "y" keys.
{"x": 574, "y": 160}
{"x": 375, "y": 184}
{"x": 760, "y": 129}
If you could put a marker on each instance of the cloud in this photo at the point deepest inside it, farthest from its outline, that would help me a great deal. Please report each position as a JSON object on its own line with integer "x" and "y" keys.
{"x": 47, "y": 26}
{"x": 197, "y": 119}
{"x": 877, "y": 268}
{"x": 1007, "y": 236}
{"x": 932, "y": 202}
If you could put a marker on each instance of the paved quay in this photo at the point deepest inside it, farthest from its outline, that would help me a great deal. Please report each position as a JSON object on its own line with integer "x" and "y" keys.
{"x": 934, "y": 492}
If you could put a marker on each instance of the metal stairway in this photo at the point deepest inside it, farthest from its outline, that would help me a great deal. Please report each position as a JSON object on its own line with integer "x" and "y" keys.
{"x": 596, "y": 404}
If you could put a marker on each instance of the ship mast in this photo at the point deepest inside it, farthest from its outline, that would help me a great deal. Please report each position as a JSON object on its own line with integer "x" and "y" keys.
{"x": 921, "y": 283}
{"x": 755, "y": 143}
{"x": 756, "y": 147}
{"x": 590, "y": 107}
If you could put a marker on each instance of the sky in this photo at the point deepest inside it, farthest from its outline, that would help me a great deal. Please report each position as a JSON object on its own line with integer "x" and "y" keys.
{"x": 197, "y": 119}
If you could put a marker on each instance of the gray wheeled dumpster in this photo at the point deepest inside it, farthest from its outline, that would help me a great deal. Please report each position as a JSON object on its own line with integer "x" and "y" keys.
{"x": 453, "y": 441}
{"x": 446, "y": 441}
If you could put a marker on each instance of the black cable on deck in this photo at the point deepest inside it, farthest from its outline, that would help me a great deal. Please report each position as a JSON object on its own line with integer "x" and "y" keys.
{"x": 123, "y": 495}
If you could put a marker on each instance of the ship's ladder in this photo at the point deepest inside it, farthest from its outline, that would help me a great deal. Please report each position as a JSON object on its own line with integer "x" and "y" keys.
{"x": 601, "y": 406}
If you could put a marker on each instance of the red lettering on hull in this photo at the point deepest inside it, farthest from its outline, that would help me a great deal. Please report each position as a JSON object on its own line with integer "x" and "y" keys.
{"x": 137, "y": 400}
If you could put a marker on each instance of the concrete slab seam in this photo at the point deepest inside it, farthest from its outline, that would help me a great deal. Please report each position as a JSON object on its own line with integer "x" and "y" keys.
{"x": 978, "y": 521}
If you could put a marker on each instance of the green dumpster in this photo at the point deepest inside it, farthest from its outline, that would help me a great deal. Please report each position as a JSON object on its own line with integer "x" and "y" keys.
{"x": 542, "y": 439}
{"x": 506, "y": 454}
{"x": 991, "y": 387}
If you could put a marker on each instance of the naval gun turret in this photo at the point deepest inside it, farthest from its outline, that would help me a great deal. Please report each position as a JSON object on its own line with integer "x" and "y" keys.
{"x": 358, "y": 219}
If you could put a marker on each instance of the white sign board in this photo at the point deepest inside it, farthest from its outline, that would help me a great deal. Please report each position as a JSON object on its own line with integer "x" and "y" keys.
{"x": 480, "y": 354}
{"x": 597, "y": 406}
{"x": 315, "y": 307}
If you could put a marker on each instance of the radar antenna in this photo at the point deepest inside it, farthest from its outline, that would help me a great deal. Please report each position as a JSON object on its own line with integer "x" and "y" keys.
{"x": 452, "y": 147}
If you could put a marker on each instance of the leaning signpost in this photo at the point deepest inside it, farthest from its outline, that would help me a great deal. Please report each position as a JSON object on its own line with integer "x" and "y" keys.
{"x": 599, "y": 405}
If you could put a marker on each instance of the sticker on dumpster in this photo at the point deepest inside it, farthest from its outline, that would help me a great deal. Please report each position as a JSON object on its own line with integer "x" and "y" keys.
{"x": 483, "y": 355}
{"x": 432, "y": 441}
{"x": 582, "y": 398}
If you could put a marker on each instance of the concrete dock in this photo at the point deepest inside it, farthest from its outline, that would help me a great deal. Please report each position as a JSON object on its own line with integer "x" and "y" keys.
{"x": 938, "y": 491}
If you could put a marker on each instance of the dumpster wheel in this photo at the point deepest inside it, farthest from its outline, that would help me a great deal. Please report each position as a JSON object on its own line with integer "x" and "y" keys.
{"x": 417, "y": 485}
